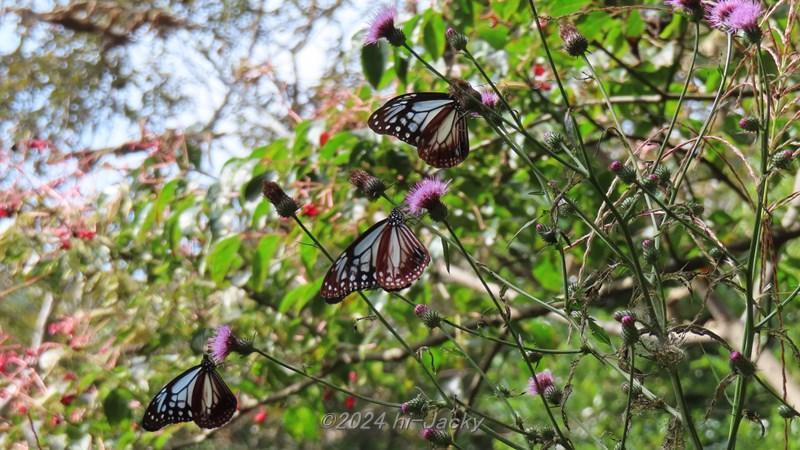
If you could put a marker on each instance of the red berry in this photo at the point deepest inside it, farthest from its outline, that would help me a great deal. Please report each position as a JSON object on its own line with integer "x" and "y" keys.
{"x": 310, "y": 210}
{"x": 260, "y": 416}
{"x": 67, "y": 400}
{"x": 538, "y": 70}
{"x": 324, "y": 137}
{"x": 350, "y": 401}
{"x": 352, "y": 376}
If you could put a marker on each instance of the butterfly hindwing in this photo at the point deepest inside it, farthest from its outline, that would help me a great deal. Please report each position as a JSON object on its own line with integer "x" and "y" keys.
{"x": 197, "y": 394}
{"x": 213, "y": 404}
{"x": 445, "y": 142}
{"x": 434, "y": 122}
{"x": 403, "y": 257}
{"x": 387, "y": 255}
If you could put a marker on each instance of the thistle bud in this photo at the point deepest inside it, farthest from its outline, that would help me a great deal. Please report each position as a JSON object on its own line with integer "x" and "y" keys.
{"x": 553, "y": 395}
{"x": 637, "y": 389}
{"x": 741, "y": 365}
{"x": 547, "y": 434}
{"x": 664, "y": 176}
{"x": 629, "y": 332}
{"x": 623, "y": 172}
{"x": 650, "y": 182}
{"x": 782, "y": 159}
{"x": 749, "y": 124}
{"x": 285, "y": 205}
{"x": 553, "y": 140}
{"x": 786, "y": 412}
{"x": 574, "y": 42}
{"x": 429, "y": 317}
{"x": 456, "y": 40}
{"x": 533, "y": 357}
{"x": 650, "y": 252}
{"x": 548, "y": 234}
{"x": 372, "y": 187}
{"x": 618, "y": 315}
{"x": 437, "y": 438}
{"x": 415, "y": 407}
{"x": 694, "y": 208}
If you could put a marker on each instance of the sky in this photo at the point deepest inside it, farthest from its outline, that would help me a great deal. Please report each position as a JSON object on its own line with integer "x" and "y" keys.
{"x": 208, "y": 93}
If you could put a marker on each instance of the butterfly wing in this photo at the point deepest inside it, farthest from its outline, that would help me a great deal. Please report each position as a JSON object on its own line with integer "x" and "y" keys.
{"x": 354, "y": 270}
{"x": 432, "y": 121}
{"x": 213, "y": 403}
{"x": 172, "y": 404}
{"x": 401, "y": 256}
{"x": 179, "y": 400}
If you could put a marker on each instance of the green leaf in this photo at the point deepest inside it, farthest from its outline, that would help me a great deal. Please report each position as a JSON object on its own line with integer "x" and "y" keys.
{"x": 373, "y": 62}
{"x": 165, "y": 197}
{"x": 298, "y": 297}
{"x": 253, "y": 187}
{"x": 635, "y": 26}
{"x": 566, "y": 7}
{"x": 222, "y": 256}
{"x": 144, "y": 222}
{"x": 301, "y": 423}
{"x": 507, "y": 9}
{"x": 599, "y": 333}
{"x": 446, "y": 254}
{"x": 261, "y": 262}
{"x": 300, "y": 139}
{"x": 433, "y": 30}
{"x": 115, "y": 406}
{"x": 496, "y": 37}
{"x": 401, "y": 68}
{"x": 342, "y": 140}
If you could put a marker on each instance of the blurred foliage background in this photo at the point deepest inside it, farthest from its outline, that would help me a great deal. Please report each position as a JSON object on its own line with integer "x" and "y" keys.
{"x": 136, "y": 135}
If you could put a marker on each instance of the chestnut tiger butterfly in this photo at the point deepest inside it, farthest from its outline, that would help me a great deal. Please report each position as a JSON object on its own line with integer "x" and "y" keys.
{"x": 387, "y": 255}
{"x": 198, "y": 394}
{"x": 434, "y": 122}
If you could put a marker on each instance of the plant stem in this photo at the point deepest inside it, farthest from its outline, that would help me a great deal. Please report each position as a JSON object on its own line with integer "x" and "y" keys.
{"x": 326, "y": 383}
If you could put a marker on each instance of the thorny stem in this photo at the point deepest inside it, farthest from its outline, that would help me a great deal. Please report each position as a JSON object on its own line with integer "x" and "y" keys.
{"x": 751, "y": 268}
{"x": 480, "y": 371}
{"x": 510, "y": 327}
{"x": 326, "y": 383}
{"x": 628, "y": 411}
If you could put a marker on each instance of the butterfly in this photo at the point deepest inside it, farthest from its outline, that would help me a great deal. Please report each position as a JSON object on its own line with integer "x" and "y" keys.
{"x": 199, "y": 394}
{"x": 387, "y": 255}
{"x": 434, "y": 122}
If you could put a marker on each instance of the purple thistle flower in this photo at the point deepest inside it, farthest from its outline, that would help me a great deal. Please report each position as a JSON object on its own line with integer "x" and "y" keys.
{"x": 735, "y": 15}
{"x": 426, "y": 195}
{"x": 381, "y": 26}
{"x": 489, "y": 98}
{"x": 222, "y": 344}
{"x": 545, "y": 380}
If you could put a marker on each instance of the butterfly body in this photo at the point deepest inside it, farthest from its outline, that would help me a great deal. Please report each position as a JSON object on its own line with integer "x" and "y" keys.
{"x": 434, "y": 122}
{"x": 387, "y": 255}
{"x": 198, "y": 394}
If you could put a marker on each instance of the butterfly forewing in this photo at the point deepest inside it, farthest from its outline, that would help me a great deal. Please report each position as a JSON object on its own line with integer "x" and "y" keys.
{"x": 387, "y": 255}
{"x": 197, "y": 394}
{"x": 432, "y": 121}
{"x": 354, "y": 270}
